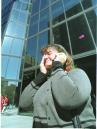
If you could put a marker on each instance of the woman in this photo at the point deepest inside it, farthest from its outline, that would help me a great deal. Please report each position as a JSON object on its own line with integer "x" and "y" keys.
{"x": 60, "y": 93}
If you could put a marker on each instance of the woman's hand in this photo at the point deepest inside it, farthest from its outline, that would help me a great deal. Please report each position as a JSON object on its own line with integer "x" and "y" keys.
{"x": 42, "y": 66}
{"x": 61, "y": 57}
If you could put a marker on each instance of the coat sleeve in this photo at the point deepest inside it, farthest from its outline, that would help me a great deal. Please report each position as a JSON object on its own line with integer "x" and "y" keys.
{"x": 71, "y": 90}
{"x": 26, "y": 98}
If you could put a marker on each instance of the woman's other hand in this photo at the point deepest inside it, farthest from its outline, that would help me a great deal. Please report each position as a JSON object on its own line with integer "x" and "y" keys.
{"x": 61, "y": 57}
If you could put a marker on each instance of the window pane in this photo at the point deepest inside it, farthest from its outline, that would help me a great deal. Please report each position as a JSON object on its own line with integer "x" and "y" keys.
{"x": 30, "y": 58}
{"x": 17, "y": 5}
{"x": 4, "y": 63}
{"x": 13, "y": 68}
{"x": 34, "y": 19}
{"x": 31, "y": 50}
{"x": 14, "y": 15}
{"x": 11, "y": 28}
{"x": 35, "y": 7}
{"x": 33, "y": 29}
{"x": 80, "y": 39}
{"x": 7, "y": 83}
{"x": 61, "y": 37}
{"x": 57, "y": 12}
{"x": 9, "y": 89}
{"x": 92, "y": 21}
{"x": 23, "y": 17}
{"x": 31, "y": 47}
{"x": 43, "y": 41}
{"x": 44, "y": 19}
{"x": 24, "y": 6}
{"x": 88, "y": 3}
{"x": 17, "y": 47}
{"x": 6, "y": 46}
{"x": 72, "y": 7}
{"x": 20, "y": 74}
{"x": 52, "y": 1}
{"x": 44, "y": 3}
{"x": 25, "y": 1}
{"x": 20, "y": 31}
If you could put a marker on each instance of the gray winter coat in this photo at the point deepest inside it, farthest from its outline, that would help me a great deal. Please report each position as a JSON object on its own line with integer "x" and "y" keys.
{"x": 60, "y": 99}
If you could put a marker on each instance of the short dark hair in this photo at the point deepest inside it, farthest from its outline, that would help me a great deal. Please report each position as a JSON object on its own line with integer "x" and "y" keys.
{"x": 69, "y": 61}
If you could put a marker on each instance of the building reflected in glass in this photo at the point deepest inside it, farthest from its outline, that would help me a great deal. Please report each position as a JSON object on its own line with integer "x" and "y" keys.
{"x": 32, "y": 24}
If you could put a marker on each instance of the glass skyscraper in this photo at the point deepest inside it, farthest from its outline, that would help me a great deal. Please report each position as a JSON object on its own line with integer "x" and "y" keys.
{"x": 31, "y": 25}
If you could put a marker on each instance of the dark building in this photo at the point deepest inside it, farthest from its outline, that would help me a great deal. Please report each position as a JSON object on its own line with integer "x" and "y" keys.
{"x": 31, "y": 24}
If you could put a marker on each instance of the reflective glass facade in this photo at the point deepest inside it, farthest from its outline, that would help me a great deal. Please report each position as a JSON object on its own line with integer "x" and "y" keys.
{"x": 13, "y": 47}
{"x": 33, "y": 24}
{"x": 6, "y": 8}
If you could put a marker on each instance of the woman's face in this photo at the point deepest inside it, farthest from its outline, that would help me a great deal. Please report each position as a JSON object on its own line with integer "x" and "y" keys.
{"x": 50, "y": 54}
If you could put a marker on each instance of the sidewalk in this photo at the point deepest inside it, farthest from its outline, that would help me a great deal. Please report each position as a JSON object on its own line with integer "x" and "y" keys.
{"x": 10, "y": 119}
